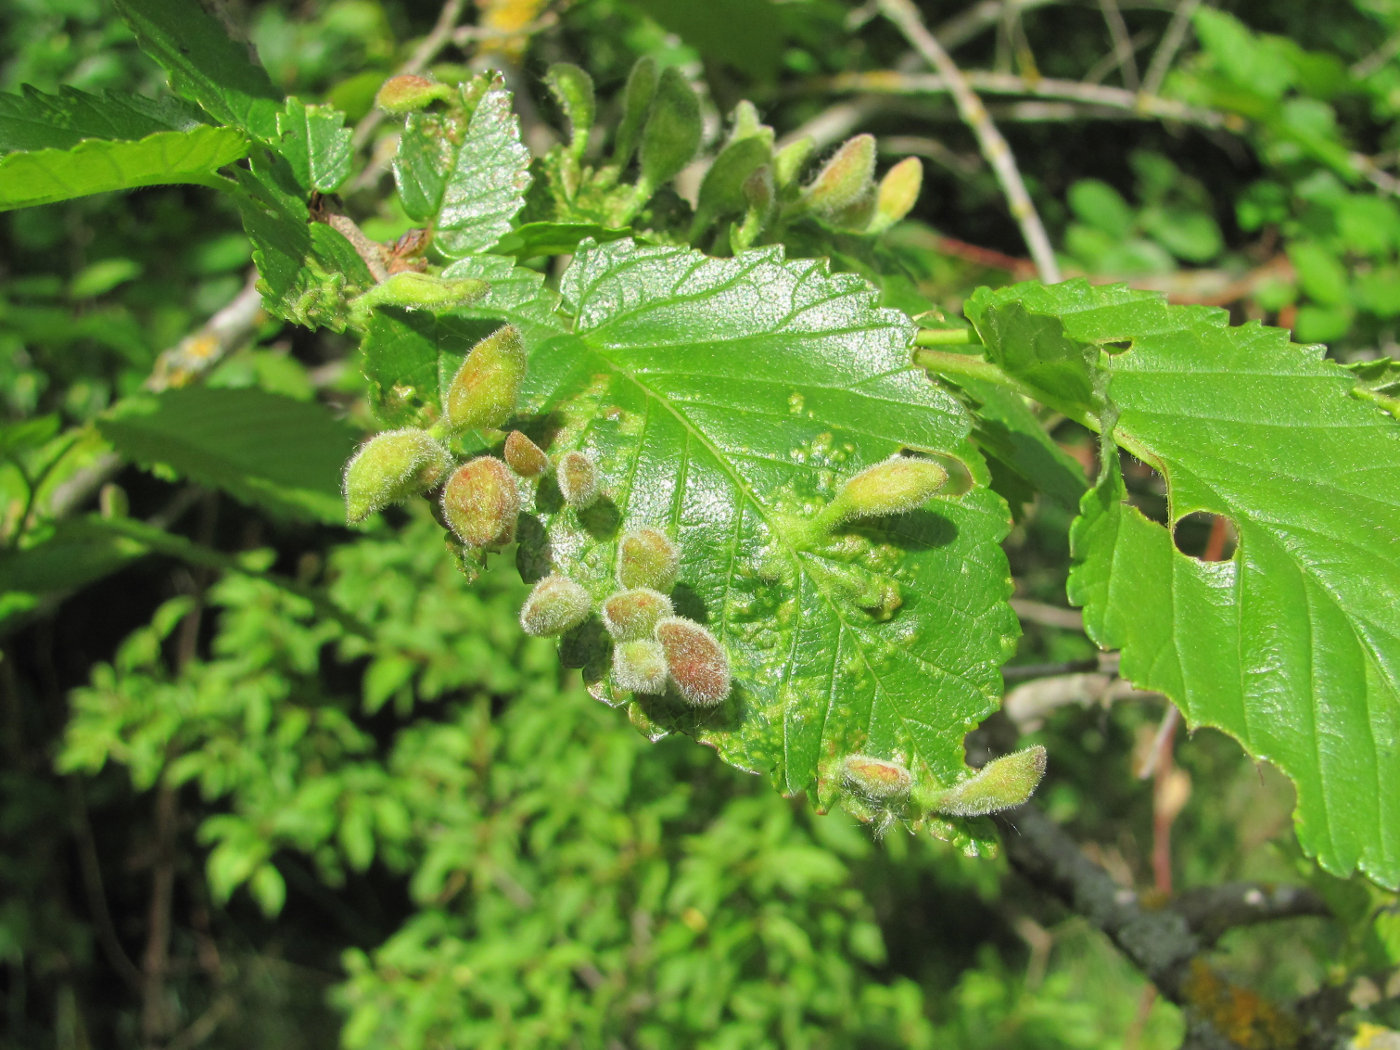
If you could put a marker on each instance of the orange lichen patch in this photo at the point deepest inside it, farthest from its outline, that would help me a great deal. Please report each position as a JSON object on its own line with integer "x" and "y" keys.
{"x": 1153, "y": 899}
{"x": 1248, "y": 1020}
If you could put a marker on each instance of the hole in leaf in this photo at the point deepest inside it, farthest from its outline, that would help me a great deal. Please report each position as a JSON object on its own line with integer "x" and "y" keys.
{"x": 1117, "y": 346}
{"x": 1205, "y": 536}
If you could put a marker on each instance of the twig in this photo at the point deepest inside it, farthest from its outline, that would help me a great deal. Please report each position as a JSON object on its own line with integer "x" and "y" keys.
{"x": 192, "y": 358}
{"x": 1123, "y": 56}
{"x": 1048, "y": 615}
{"x": 1140, "y": 104}
{"x": 1160, "y": 942}
{"x": 906, "y": 17}
{"x": 1212, "y": 910}
{"x": 1171, "y": 42}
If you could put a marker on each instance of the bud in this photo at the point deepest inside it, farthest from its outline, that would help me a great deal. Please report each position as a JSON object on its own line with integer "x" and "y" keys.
{"x": 572, "y": 88}
{"x": 557, "y": 604}
{"x": 897, "y": 194}
{"x": 639, "y": 666}
{"x": 697, "y": 664}
{"x": 671, "y": 134}
{"x": 408, "y": 93}
{"x": 578, "y": 480}
{"x": 647, "y": 558}
{"x": 524, "y": 456}
{"x": 480, "y": 503}
{"x": 876, "y": 777}
{"x": 389, "y": 468}
{"x": 724, "y": 189}
{"x": 894, "y": 486}
{"x": 485, "y": 389}
{"x": 412, "y": 290}
{"x": 636, "y": 100}
{"x": 846, "y": 177}
{"x": 1000, "y": 784}
{"x": 635, "y": 613}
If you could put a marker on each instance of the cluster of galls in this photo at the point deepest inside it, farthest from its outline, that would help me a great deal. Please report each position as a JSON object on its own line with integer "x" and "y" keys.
{"x": 885, "y": 790}
{"x": 480, "y": 502}
{"x": 652, "y": 647}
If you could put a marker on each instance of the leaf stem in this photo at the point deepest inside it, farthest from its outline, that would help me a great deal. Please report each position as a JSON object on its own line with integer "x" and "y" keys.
{"x": 946, "y": 337}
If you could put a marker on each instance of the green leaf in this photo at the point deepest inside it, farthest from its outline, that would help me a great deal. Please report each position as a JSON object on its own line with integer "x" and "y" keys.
{"x": 411, "y": 357}
{"x": 1293, "y": 645}
{"x": 723, "y": 400}
{"x": 554, "y": 238}
{"x": 73, "y": 555}
{"x": 272, "y": 451}
{"x": 464, "y": 172}
{"x": 33, "y": 120}
{"x": 316, "y": 143}
{"x": 100, "y": 166}
{"x": 307, "y": 271}
{"x": 204, "y": 64}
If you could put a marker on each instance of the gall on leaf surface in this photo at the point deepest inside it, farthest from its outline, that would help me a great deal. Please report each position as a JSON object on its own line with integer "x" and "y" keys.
{"x": 723, "y": 400}
{"x": 1292, "y": 646}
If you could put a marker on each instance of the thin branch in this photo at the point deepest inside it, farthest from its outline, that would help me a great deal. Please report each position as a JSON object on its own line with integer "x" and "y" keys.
{"x": 1172, "y": 40}
{"x": 1140, "y": 104}
{"x": 1212, "y": 910}
{"x": 1123, "y": 57}
{"x": 1048, "y": 615}
{"x": 1159, "y": 941}
{"x": 906, "y": 17}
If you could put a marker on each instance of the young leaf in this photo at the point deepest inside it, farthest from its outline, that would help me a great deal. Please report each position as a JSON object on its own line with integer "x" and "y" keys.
{"x": 464, "y": 174}
{"x": 237, "y": 440}
{"x": 205, "y": 64}
{"x": 723, "y": 399}
{"x": 316, "y": 143}
{"x": 103, "y": 165}
{"x": 1293, "y": 645}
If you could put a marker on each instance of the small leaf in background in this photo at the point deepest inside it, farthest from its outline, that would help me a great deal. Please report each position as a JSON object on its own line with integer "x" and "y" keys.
{"x": 744, "y": 34}
{"x": 723, "y": 400}
{"x": 240, "y": 441}
{"x": 1292, "y": 646}
{"x": 103, "y": 165}
{"x": 464, "y": 172}
{"x": 205, "y": 65}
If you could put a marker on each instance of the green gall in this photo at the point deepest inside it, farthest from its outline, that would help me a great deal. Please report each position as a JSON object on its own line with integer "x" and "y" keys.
{"x": 480, "y": 502}
{"x": 671, "y": 134}
{"x": 1000, "y": 784}
{"x": 639, "y": 666}
{"x": 408, "y": 93}
{"x": 578, "y": 480}
{"x": 557, "y": 604}
{"x": 636, "y": 101}
{"x": 789, "y": 161}
{"x": 634, "y": 614}
{"x": 648, "y": 558}
{"x": 847, "y": 177}
{"x": 897, "y": 194}
{"x": 698, "y": 665}
{"x": 486, "y": 388}
{"x": 747, "y": 123}
{"x": 895, "y": 486}
{"x": 523, "y": 456}
{"x": 878, "y": 778}
{"x": 572, "y": 88}
{"x": 391, "y": 467}
{"x": 411, "y": 290}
